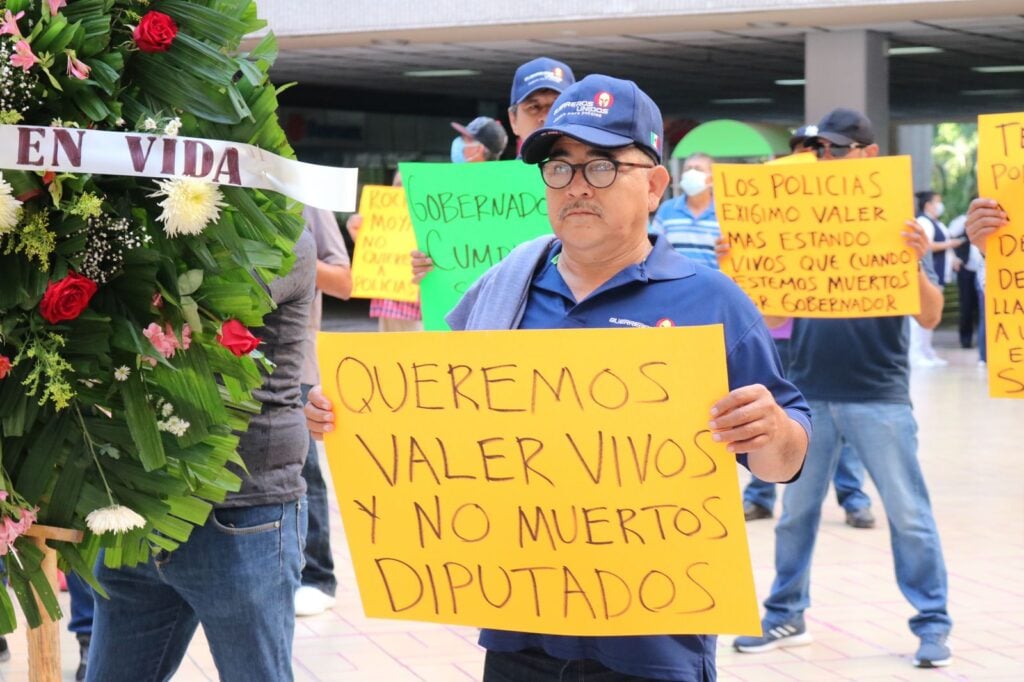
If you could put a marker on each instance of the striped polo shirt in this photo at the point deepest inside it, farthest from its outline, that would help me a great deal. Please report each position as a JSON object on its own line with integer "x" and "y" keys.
{"x": 693, "y": 236}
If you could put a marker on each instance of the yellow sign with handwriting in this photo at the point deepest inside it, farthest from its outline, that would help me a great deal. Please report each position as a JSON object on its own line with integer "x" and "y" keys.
{"x": 1001, "y": 177}
{"x": 557, "y": 481}
{"x": 381, "y": 264}
{"x": 820, "y": 239}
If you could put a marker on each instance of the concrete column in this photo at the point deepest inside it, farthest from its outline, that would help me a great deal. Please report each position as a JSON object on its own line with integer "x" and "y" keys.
{"x": 916, "y": 140}
{"x": 848, "y": 69}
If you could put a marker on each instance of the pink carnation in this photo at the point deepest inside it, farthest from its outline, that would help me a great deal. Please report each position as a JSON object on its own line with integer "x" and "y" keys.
{"x": 186, "y": 336}
{"x": 165, "y": 344}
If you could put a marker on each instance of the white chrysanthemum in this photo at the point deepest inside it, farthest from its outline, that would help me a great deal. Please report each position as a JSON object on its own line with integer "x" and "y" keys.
{"x": 113, "y": 519}
{"x": 172, "y": 127}
{"x": 10, "y": 208}
{"x": 149, "y": 124}
{"x": 122, "y": 373}
{"x": 189, "y": 205}
{"x": 167, "y": 409}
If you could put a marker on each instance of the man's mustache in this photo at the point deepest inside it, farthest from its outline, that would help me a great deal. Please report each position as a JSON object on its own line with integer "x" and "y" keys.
{"x": 577, "y": 205}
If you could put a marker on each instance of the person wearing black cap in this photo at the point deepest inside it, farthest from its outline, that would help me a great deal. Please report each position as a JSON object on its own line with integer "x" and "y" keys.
{"x": 759, "y": 496}
{"x": 861, "y": 398}
{"x": 535, "y": 86}
{"x": 599, "y": 153}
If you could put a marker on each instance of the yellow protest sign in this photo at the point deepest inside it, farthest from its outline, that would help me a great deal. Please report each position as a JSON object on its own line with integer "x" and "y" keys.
{"x": 381, "y": 265}
{"x": 560, "y": 481}
{"x": 1001, "y": 177}
{"x": 820, "y": 239}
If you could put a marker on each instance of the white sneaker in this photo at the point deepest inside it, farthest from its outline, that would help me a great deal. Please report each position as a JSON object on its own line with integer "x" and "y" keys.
{"x": 310, "y": 601}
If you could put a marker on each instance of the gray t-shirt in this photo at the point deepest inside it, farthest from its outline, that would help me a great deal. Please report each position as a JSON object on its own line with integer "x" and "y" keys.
{"x": 275, "y": 445}
{"x": 330, "y": 248}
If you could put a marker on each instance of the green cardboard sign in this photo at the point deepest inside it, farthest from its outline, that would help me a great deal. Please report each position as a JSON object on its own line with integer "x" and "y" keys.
{"x": 467, "y": 217}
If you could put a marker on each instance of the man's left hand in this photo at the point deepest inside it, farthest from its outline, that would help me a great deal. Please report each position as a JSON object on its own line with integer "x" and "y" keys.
{"x": 916, "y": 238}
{"x": 748, "y": 419}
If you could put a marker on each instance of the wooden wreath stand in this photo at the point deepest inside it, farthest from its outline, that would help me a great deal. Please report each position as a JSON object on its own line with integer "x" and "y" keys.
{"x": 44, "y": 641}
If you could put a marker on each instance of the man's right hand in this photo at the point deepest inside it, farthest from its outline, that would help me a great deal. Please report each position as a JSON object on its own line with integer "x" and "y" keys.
{"x": 354, "y": 222}
{"x": 984, "y": 217}
{"x": 319, "y": 413}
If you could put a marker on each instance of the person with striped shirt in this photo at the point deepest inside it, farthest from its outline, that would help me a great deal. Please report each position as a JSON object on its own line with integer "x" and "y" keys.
{"x": 689, "y": 222}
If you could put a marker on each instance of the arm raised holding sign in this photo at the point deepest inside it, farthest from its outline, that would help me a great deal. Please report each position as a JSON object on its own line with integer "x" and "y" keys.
{"x": 984, "y": 218}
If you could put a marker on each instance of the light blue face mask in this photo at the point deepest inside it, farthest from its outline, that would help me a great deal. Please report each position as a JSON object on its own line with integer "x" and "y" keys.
{"x": 458, "y": 150}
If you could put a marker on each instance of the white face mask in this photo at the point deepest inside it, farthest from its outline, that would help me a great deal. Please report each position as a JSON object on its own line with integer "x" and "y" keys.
{"x": 693, "y": 182}
{"x": 940, "y": 208}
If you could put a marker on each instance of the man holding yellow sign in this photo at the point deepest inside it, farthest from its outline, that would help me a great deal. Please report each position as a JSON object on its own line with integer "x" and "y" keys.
{"x": 855, "y": 375}
{"x": 600, "y": 157}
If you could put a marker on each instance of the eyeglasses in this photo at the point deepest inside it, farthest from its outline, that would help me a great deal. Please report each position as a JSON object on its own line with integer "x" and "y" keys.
{"x": 838, "y": 151}
{"x": 599, "y": 173}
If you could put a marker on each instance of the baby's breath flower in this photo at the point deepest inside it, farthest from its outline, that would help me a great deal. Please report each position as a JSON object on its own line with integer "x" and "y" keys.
{"x": 174, "y": 425}
{"x": 172, "y": 127}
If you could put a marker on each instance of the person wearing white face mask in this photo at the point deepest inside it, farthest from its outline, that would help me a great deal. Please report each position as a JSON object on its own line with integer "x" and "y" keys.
{"x": 941, "y": 245}
{"x": 689, "y": 221}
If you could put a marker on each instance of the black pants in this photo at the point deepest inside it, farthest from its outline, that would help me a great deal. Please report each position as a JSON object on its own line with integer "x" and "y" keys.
{"x": 534, "y": 665}
{"x": 966, "y": 281}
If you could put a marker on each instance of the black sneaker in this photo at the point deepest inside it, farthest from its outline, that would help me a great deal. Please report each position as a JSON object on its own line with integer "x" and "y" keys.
{"x": 793, "y": 633}
{"x": 83, "y": 655}
{"x": 5, "y": 652}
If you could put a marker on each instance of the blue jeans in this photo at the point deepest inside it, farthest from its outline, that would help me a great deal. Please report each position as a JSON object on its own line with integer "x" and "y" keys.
{"x": 885, "y": 437}
{"x": 237, "y": 575}
{"x": 849, "y": 483}
{"x": 534, "y": 665}
{"x": 319, "y": 569}
{"x": 81, "y": 605}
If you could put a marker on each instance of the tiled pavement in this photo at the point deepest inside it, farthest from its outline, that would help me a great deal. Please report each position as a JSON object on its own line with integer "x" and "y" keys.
{"x": 972, "y": 450}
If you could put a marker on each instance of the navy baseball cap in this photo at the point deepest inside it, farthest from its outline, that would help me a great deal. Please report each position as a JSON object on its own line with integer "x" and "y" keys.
{"x": 487, "y": 132}
{"x": 600, "y": 111}
{"x": 844, "y": 127}
{"x": 542, "y": 73}
{"x": 802, "y": 134}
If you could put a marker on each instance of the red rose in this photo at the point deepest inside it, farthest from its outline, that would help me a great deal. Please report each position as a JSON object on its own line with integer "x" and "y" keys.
{"x": 66, "y": 299}
{"x": 155, "y": 32}
{"x": 237, "y": 338}
{"x": 5, "y": 366}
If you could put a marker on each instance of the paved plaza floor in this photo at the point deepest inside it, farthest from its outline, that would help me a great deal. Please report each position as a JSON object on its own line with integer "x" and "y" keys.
{"x": 972, "y": 451}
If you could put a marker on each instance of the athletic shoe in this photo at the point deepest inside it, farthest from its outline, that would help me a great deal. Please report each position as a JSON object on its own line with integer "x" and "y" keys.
{"x": 310, "y": 601}
{"x": 933, "y": 652}
{"x": 790, "y": 634}
{"x": 860, "y": 518}
{"x": 753, "y": 512}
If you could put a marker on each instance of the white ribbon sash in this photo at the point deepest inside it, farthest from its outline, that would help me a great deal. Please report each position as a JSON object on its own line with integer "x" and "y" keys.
{"x": 44, "y": 148}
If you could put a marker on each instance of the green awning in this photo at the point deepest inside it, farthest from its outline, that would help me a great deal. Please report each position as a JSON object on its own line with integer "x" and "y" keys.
{"x": 726, "y": 138}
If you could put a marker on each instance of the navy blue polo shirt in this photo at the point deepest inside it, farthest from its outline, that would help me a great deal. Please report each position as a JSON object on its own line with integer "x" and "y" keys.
{"x": 667, "y": 286}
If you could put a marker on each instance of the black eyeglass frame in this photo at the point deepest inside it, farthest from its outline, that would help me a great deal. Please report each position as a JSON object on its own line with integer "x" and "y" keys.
{"x": 819, "y": 149}
{"x": 616, "y": 164}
